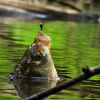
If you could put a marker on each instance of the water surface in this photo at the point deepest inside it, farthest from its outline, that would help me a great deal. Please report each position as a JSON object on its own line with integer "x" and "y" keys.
{"x": 74, "y": 45}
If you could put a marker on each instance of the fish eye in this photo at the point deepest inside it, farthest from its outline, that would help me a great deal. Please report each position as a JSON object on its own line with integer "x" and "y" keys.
{"x": 36, "y": 56}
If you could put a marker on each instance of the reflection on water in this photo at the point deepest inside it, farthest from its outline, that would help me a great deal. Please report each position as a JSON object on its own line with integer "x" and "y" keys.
{"x": 27, "y": 87}
{"x": 75, "y": 45}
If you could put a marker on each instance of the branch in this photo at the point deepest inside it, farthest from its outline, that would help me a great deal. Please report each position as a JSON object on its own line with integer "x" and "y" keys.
{"x": 87, "y": 73}
{"x": 64, "y": 3}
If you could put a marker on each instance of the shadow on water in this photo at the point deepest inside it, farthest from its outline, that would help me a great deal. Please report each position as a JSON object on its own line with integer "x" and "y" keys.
{"x": 76, "y": 45}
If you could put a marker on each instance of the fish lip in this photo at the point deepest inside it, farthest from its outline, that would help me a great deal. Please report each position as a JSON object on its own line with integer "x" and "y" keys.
{"x": 43, "y": 39}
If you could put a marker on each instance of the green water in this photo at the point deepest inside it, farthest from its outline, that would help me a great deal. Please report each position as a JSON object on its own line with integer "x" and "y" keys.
{"x": 74, "y": 45}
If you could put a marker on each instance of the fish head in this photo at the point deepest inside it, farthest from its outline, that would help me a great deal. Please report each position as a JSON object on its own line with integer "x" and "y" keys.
{"x": 39, "y": 51}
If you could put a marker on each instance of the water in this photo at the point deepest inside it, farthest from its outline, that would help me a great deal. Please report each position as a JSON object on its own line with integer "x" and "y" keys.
{"x": 74, "y": 45}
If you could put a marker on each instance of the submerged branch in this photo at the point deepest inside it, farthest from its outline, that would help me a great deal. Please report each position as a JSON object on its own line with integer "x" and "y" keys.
{"x": 87, "y": 73}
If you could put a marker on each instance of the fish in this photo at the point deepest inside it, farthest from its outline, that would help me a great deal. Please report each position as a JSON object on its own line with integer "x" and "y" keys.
{"x": 37, "y": 60}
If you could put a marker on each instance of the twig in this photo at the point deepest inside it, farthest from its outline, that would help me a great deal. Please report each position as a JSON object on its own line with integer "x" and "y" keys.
{"x": 87, "y": 73}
